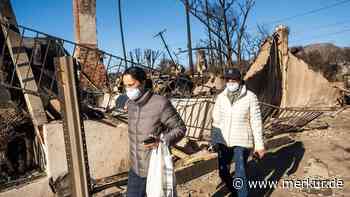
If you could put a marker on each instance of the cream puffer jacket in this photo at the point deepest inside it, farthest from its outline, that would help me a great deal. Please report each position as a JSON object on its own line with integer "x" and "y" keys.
{"x": 239, "y": 124}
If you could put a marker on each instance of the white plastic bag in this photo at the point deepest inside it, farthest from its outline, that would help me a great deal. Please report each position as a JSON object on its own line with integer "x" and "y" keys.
{"x": 168, "y": 176}
{"x": 160, "y": 178}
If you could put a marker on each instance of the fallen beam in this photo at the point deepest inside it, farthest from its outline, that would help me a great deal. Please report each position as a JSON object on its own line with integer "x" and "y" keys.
{"x": 178, "y": 153}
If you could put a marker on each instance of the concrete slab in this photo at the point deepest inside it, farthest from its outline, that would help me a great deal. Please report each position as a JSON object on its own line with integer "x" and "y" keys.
{"x": 107, "y": 151}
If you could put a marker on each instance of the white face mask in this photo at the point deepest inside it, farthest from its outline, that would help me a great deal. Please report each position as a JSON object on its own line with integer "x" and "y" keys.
{"x": 133, "y": 93}
{"x": 232, "y": 86}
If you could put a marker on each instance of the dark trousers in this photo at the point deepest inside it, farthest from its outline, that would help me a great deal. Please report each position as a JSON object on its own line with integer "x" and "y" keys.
{"x": 136, "y": 185}
{"x": 240, "y": 156}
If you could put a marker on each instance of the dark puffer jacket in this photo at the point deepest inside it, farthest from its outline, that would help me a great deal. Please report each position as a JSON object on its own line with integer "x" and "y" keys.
{"x": 151, "y": 115}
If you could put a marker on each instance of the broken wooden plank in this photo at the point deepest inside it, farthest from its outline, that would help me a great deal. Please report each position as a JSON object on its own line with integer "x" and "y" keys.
{"x": 178, "y": 153}
{"x": 74, "y": 136}
{"x": 116, "y": 180}
{"x": 197, "y": 158}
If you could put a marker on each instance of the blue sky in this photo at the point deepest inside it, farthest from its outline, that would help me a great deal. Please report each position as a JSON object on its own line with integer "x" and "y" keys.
{"x": 144, "y": 18}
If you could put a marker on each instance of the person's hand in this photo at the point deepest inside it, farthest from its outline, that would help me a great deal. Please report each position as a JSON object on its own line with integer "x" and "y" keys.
{"x": 260, "y": 153}
{"x": 213, "y": 148}
{"x": 152, "y": 145}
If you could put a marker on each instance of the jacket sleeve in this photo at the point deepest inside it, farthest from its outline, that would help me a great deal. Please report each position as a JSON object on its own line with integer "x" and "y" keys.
{"x": 256, "y": 122}
{"x": 215, "y": 133}
{"x": 176, "y": 127}
{"x": 216, "y": 113}
{"x": 215, "y": 136}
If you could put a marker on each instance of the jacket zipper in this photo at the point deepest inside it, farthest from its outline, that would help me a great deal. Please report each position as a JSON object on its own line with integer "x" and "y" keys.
{"x": 232, "y": 104}
{"x": 136, "y": 145}
{"x": 230, "y": 121}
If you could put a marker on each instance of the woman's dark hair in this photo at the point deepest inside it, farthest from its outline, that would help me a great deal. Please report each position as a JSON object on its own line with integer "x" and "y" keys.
{"x": 148, "y": 84}
{"x": 140, "y": 75}
{"x": 136, "y": 73}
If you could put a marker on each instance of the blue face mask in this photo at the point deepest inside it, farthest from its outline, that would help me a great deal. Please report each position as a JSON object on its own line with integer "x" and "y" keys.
{"x": 232, "y": 86}
{"x": 133, "y": 93}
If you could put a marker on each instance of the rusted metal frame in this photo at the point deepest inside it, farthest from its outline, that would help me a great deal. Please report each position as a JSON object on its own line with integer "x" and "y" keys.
{"x": 197, "y": 121}
{"x": 18, "y": 53}
{"x": 298, "y": 120}
{"x": 284, "y": 113}
{"x": 15, "y": 46}
{"x": 306, "y": 117}
{"x": 268, "y": 113}
{"x": 206, "y": 108}
{"x": 110, "y": 88}
{"x": 290, "y": 116}
{"x": 3, "y": 52}
{"x": 80, "y": 45}
{"x": 31, "y": 59}
{"x": 301, "y": 116}
{"x": 191, "y": 113}
{"x": 74, "y": 48}
{"x": 86, "y": 47}
{"x": 11, "y": 84}
{"x": 184, "y": 108}
{"x": 192, "y": 110}
{"x": 53, "y": 79}
{"x": 47, "y": 73}
{"x": 294, "y": 115}
{"x": 299, "y": 108}
{"x": 310, "y": 118}
{"x": 274, "y": 126}
{"x": 109, "y": 68}
{"x": 183, "y": 111}
{"x": 44, "y": 61}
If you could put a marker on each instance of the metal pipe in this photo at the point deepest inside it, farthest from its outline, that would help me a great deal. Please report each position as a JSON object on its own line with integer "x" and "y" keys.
{"x": 189, "y": 41}
{"x": 122, "y": 31}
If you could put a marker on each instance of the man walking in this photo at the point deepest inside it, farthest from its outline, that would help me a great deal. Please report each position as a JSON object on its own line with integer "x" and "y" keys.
{"x": 237, "y": 128}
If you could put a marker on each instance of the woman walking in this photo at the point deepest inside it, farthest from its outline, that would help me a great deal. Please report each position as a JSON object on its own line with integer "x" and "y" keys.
{"x": 149, "y": 115}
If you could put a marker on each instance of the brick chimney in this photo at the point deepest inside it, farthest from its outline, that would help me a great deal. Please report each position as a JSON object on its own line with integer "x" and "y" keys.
{"x": 86, "y": 35}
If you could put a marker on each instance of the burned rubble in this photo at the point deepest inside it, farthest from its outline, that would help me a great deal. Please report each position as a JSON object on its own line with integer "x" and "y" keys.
{"x": 36, "y": 141}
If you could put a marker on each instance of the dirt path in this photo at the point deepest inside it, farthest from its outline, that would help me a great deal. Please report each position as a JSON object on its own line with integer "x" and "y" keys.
{"x": 317, "y": 154}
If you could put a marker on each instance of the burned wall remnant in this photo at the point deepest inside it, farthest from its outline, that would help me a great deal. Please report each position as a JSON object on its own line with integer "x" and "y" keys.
{"x": 266, "y": 77}
{"x": 280, "y": 78}
{"x": 201, "y": 61}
